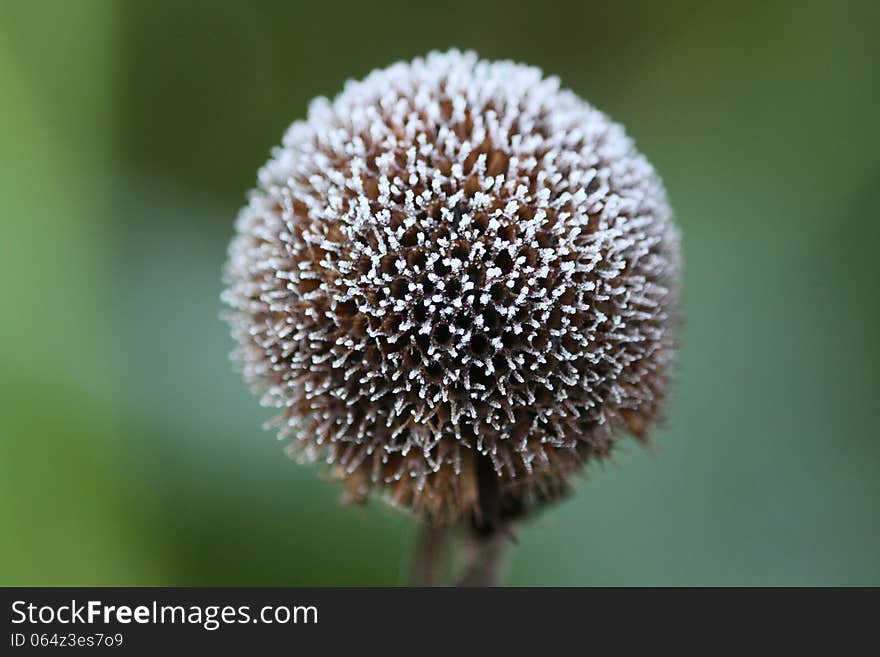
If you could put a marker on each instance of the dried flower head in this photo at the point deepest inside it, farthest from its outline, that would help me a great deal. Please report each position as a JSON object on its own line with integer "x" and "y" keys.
{"x": 459, "y": 283}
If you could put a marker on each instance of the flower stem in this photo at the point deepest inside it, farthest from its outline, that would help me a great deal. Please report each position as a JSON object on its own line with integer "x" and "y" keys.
{"x": 483, "y": 554}
{"x": 430, "y": 555}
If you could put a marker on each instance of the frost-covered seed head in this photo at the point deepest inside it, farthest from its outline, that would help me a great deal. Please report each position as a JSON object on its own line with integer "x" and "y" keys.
{"x": 459, "y": 283}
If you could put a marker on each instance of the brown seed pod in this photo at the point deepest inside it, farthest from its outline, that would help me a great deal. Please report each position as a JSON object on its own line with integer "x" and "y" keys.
{"x": 460, "y": 284}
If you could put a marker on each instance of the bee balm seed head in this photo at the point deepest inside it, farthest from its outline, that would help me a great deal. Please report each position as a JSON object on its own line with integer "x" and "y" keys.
{"x": 459, "y": 283}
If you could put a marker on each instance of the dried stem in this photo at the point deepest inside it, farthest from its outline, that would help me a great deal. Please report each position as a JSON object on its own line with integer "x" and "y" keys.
{"x": 430, "y": 555}
{"x": 484, "y": 533}
{"x": 483, "y": 554}
{"x": 488, "y": 531}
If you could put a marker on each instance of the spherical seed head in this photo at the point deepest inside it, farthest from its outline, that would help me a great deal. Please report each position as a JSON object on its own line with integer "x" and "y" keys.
{"x": 459, "y": 283}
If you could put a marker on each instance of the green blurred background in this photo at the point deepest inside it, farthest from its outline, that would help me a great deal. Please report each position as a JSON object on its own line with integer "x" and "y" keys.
{"x": 131, "y": 452}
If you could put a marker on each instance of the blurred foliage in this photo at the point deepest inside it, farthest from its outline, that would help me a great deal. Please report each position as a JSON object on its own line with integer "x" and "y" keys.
{"x": 130, "y": 451}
